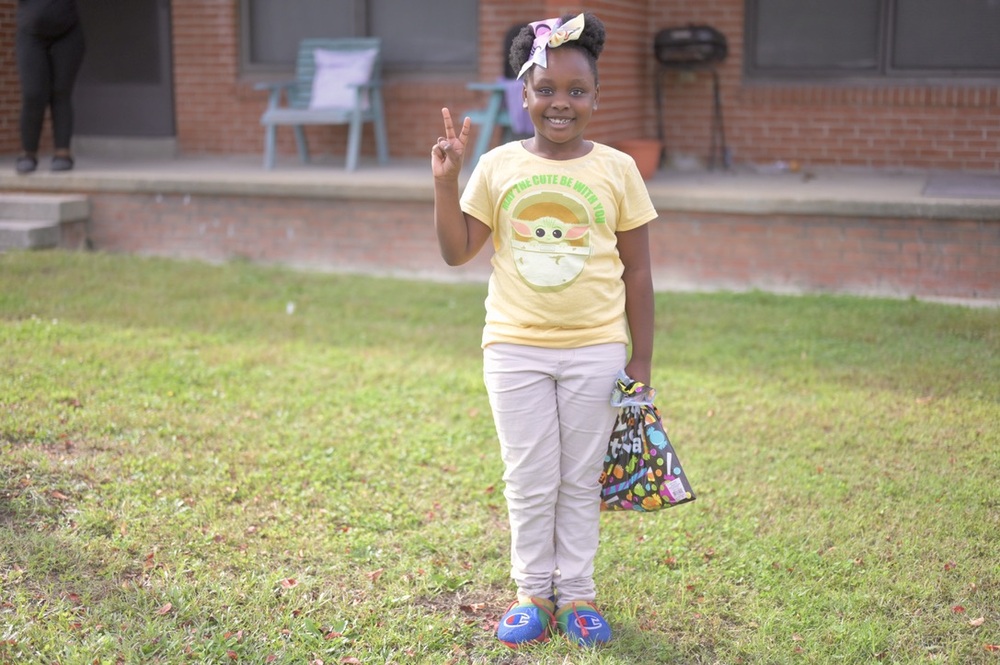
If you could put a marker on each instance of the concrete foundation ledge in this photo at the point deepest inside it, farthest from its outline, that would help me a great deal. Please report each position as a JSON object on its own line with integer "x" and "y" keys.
{"x": 849, "y": 193}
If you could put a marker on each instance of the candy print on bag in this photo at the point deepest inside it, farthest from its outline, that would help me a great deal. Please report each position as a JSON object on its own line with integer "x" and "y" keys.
{"x": 641, "y": 469}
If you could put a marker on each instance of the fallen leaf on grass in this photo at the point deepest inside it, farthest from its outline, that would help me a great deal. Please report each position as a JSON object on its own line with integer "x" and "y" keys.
{"x": 165, "y": 609}
{"x": 950, "y": 565}
{"x": 350, "y": 660}
{"x": 976, "y": 623}
{"x": 59, "y": 496}
{"x": 289, "y": 583}
{"x": 958, "y": 609}
{"x": 375, "y": 574}
{"x": 992, "y": 647}
{"x": 233, "y": 655}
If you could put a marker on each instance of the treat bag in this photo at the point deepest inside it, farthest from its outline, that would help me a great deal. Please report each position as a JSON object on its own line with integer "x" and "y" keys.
{"x": 641, "y": 469}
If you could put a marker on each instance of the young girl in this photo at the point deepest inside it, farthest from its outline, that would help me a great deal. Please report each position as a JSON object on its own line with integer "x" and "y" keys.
{"x": 570, "y": 287}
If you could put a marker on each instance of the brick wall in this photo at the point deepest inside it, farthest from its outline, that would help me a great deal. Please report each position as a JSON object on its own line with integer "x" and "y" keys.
{"x": 783, "y": 253}
{"x": 889, "y": 126}
{"x": 945, "y": 258}
{"x": 10, "y": 105}
{"x": 342, "y": 235}
{"x": 894, "y": 125}
{"x": 218, "y": 111}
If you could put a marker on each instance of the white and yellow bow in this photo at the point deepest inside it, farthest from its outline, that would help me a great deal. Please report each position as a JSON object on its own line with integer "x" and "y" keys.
{"x": 550, "y": 33}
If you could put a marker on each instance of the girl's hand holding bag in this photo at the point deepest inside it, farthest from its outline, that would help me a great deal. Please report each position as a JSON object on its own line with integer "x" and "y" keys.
{"x": 641, "y": 469}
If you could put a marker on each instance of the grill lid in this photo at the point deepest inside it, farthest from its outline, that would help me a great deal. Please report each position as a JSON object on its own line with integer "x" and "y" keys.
{"x": 690, "y": 46}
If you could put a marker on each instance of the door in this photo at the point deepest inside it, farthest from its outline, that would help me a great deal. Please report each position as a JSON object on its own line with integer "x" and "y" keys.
{"x": 125, "y": 85}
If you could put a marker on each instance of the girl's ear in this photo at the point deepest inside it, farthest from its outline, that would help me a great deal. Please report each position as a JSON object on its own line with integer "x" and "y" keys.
{"x": 597, "y": 94}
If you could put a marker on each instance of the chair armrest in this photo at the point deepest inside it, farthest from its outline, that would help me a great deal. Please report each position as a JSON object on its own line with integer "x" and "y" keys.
{"x": 486, "y": 86}
{"x": 271, "y": 85}
{"x": 275, "y": 88}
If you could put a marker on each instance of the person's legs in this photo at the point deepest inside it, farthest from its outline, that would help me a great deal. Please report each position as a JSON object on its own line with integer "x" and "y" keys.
{"x": 586, "y": 418}
{"x": 553, "y": 415}
{"x": 523, "y": 398}
{"x": 66, "y": 56}
{"x": 36, "y": 80}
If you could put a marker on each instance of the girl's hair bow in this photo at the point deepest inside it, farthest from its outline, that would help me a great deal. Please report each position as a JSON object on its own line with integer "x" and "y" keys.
{"x": 550, "y": 33}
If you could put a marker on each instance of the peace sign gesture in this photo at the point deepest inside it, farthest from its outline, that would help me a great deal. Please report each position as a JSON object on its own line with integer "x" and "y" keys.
{"x": 447, "y": 153}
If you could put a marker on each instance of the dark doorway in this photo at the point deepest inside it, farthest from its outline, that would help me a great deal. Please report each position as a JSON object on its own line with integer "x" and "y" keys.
{"x": 125, "y": 87}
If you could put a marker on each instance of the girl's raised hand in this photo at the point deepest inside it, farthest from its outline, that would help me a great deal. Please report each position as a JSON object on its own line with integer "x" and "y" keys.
{"x": 447, "y": 153}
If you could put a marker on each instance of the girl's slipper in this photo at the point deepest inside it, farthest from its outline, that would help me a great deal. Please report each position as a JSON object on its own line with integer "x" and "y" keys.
{"x": 582, "y": 624}
{"x": 524, "y": 623}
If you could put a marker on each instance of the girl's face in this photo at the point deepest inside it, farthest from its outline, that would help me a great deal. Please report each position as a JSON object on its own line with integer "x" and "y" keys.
{"x": 561, "y": 99}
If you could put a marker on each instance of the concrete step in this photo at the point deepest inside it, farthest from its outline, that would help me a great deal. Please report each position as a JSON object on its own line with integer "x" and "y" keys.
{"x": 44, "y": 207}
{"x": 28, "y": 234}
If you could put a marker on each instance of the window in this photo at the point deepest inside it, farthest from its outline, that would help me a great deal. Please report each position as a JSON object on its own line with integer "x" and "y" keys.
{"x": 837, "y": 39}
{"x": 441, "y": 35}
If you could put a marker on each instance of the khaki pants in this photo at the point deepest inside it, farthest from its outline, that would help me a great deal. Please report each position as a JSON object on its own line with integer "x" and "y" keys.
{"x": 553, "y": 417}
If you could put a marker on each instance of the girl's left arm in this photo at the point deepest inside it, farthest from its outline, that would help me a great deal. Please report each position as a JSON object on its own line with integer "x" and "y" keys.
{"x": 633, "y": 248}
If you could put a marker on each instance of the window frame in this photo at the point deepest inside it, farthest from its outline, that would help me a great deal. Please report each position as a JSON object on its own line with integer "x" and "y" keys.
{"x": 883, "y": 73}
{"x": 361, "y": 27}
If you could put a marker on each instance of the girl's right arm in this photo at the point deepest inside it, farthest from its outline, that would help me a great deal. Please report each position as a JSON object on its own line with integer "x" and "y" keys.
{"x": 460, "y": 236}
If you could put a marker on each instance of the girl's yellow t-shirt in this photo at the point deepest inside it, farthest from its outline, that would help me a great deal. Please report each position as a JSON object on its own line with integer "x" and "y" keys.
{"x": 557, "y": 276}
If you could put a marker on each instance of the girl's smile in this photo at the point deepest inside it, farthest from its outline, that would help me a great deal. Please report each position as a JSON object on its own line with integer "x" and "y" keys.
{"x": 561, "y": 99}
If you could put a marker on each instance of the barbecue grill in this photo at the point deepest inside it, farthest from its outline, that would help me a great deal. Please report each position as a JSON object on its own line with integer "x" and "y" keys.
{"x": 689, "y": 48}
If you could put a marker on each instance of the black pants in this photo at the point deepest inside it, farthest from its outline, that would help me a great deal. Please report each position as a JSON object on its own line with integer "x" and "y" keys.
{"x": 48, "y": 68}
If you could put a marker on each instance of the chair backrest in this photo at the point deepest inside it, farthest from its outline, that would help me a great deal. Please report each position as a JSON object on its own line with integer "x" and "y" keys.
{"x": 305, "y": 64}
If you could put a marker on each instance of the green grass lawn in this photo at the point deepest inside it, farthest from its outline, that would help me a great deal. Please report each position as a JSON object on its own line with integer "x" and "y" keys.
{"x": 217, "y": 464}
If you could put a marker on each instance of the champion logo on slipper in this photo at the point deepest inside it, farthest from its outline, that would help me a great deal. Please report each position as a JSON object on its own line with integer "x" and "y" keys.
{"x": 582, "y": 623}
{"x": 525, "y": 622}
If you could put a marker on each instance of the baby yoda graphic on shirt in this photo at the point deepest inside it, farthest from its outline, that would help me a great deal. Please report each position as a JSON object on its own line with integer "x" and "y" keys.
{"x": 550, "y": 238}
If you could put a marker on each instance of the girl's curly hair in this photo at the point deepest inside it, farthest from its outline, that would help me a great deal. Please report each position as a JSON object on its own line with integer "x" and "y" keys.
{"x": 590, "y": 42}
